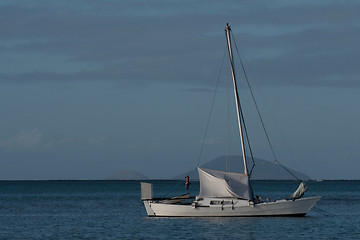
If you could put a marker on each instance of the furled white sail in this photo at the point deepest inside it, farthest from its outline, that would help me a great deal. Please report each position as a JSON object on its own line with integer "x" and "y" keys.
{"x": 299, "y": 191}
{"x": 223, "y": 184}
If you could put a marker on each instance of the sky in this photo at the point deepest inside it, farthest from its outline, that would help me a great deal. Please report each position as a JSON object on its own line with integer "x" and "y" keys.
{"x": 90, "y": 88}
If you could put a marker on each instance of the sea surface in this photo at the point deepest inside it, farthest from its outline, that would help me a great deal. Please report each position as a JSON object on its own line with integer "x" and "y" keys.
{"x": 113, "y": 210}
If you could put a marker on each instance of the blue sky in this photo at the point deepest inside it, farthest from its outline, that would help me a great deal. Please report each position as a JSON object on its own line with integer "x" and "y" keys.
{"x": 89, "y": 88}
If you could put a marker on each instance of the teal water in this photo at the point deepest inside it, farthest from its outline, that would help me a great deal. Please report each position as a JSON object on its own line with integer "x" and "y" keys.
{"x": 113, "y": 210}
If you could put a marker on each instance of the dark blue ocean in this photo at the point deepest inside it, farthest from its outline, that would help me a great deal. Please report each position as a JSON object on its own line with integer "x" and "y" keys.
{"x": 113, "y": 210}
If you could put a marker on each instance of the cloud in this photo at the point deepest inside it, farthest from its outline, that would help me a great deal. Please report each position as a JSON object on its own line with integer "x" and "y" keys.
{"x": 293, "y": 43}
{"x": 24, "y": 139}
{"x": 35, "y": 139}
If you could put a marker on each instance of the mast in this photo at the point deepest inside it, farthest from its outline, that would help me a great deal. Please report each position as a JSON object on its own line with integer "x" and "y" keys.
{"x": 227, "y": 32}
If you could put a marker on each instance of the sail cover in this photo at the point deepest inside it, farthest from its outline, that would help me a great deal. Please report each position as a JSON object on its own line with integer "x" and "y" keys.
{"x": 223, "y": 184}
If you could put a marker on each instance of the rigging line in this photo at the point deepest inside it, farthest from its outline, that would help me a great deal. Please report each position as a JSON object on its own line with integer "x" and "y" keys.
{"x": 253, "y": 97}
{"x": 292, "y": 174}
{"x": 247, "y": 139}
{"x": 211, "y": 109}
{"x": 243, "y": 119}
{"x": 258, "y": 112}
{"x": 272, "y": 116}
{"x": 282, "y": 136}
{"x": 323, "y": 212}
{"x": 171, "y": 190}
{"x": 317, "y": 209}
{"x": 287, "y": 146}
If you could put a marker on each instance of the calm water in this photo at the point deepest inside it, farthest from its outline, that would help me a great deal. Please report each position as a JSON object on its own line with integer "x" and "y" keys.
{"x": 113, "y": 210}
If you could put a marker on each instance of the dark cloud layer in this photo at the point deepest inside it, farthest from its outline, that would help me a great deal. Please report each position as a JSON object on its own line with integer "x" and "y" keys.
{"x": 297, "y": 42}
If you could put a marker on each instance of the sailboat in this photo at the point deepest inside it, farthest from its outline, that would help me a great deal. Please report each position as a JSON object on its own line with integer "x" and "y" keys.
{"x": 227, "y": 194}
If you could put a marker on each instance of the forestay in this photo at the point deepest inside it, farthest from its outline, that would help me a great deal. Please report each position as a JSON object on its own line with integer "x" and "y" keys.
{"x": 223, "y": 184}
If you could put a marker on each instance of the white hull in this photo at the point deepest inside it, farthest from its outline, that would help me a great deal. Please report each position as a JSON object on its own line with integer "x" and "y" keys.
{"x": 241, "y": 208}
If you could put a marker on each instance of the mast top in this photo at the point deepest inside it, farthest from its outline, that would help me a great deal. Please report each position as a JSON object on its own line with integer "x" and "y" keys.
{"x": 227, "y": 27}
